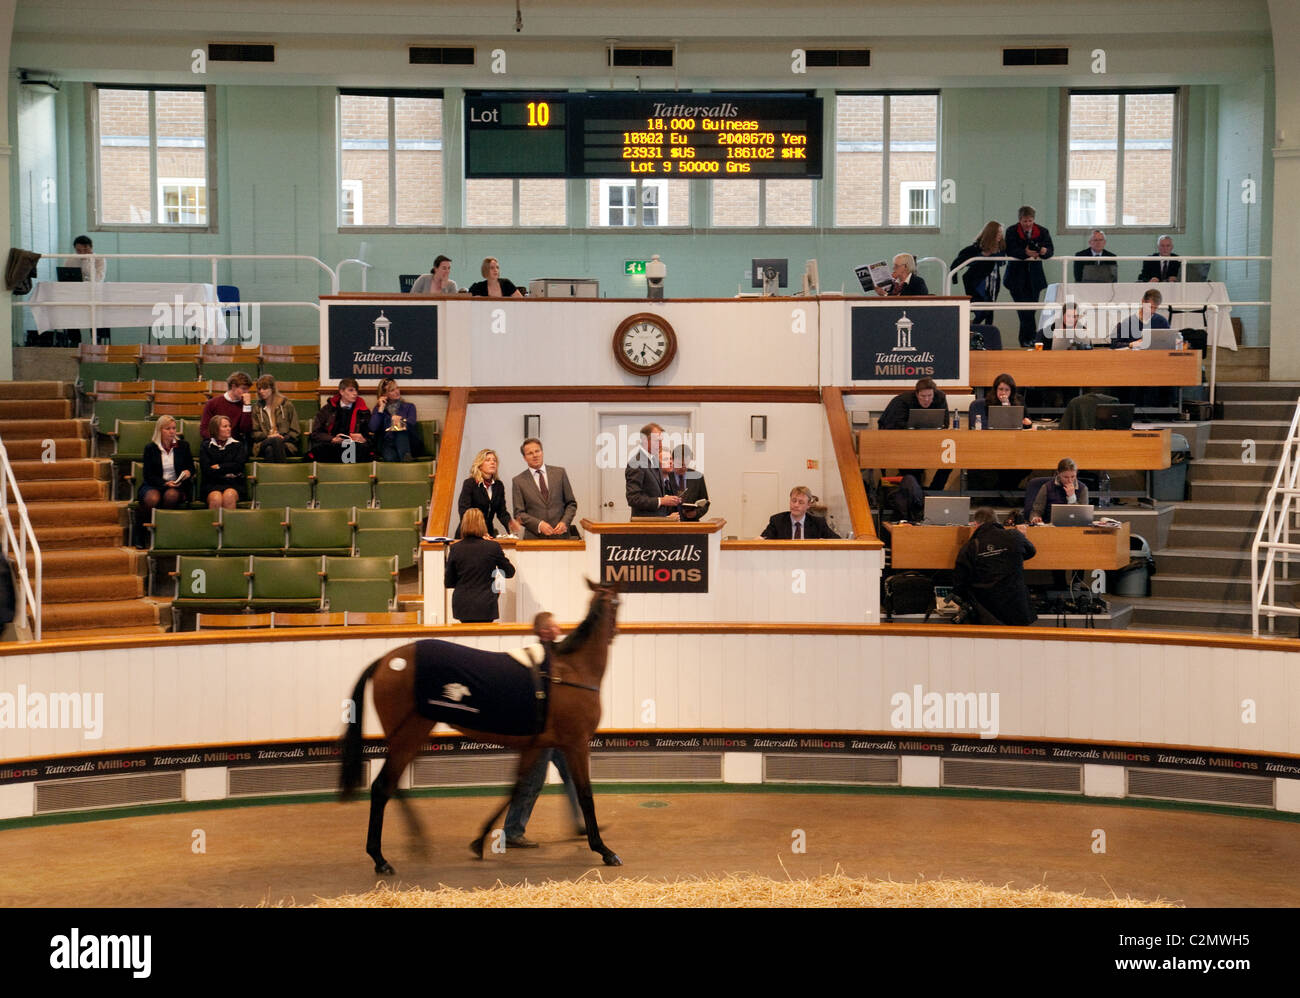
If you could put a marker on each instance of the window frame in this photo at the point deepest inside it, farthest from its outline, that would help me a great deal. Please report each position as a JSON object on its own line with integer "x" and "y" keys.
{"x": 363, "y": 227}
{"x": 638, "y": 185}
{"x": 181, "y": 184}
{"x": 94, "y": 182}
{"x": 886, "y": 226}
{"x": 1177, "y": 224}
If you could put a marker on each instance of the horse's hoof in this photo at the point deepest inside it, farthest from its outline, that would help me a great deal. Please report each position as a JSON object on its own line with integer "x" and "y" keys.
{"x": 384, "y": 869}
{"x": 476, "y": 847}
{"x": 613, "y": 860}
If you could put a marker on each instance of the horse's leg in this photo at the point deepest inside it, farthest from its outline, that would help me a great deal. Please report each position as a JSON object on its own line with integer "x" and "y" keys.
{"x": 527, "y": 759}
{"x": 402, "y": 747}
{"x": 579, "y": 769}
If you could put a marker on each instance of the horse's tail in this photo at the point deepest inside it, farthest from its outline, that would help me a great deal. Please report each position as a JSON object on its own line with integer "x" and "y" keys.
{"x": 353, "y": 760}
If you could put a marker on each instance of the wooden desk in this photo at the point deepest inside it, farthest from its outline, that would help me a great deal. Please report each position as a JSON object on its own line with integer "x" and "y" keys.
{"x": 1086, "y": 368}
{"x": 1113, "y": 450}
{"x": 919, "y": 546}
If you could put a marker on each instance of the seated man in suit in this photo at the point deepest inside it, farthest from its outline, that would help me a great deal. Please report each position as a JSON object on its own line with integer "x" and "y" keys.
{"x": 925, "y": 395}
{"x": 644, "y": 477}
{"x": 1093, "y": 270}
{"x": 542, "y": 499}
{"x": 798, "y": 524}
{"x": 1164, "y": 266}
{"x": 906, "y": 280}
{"x": 688, "y": 484}
{"x": 1128, "y": 333}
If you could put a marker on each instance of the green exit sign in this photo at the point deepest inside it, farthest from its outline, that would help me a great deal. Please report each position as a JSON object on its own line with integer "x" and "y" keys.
{"x": 633, "y": 268}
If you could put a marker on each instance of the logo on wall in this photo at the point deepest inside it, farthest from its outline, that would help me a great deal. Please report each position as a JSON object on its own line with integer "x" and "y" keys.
{"x": 396, "y": 341}
{"x": 888, "y": 344}
{"x": 656, "y": 564}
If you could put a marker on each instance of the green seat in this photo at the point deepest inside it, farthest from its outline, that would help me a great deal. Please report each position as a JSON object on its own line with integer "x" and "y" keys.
{"x": 281, "y": 485}
{"x": 319, "y": 531}
{"x": 291, "y": 371}
{"x": 289, "y": 583}
{"x": 181, "y": 532}
{"x": 307, "y": 410}
{"x": 221, "y": 370}
{"x": 252, "y": 531}
{"x": 109, "y": 411}
{"x": 428, "y": 430}
{"x": 210, "y": 584}
{"x": 342, "y": 486}
{"x": 389, "y": 533}
{"x": 90, "y": 371}
{"x": 405, "y": 483}
{"x": 366, "y": 585}
{"x": 131, "y": 437}
{"x": 169, "y": 370}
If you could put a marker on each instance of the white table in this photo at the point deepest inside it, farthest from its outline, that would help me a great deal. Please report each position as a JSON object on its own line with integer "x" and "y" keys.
{"x": 1179, "y": 295}
{"x": 65, "y": 305}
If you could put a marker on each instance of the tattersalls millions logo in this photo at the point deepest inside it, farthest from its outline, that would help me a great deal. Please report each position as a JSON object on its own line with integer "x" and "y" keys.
{"x": 382, "y": 358}
{"x": 382, "y": 326}
{"x": 904, "y": 359}
{"x": 904, "y": 327}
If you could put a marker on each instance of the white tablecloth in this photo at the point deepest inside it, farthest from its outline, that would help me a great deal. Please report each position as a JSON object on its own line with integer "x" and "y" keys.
{"x": 128, "y": 303}
{"x": 1181, "y": 296}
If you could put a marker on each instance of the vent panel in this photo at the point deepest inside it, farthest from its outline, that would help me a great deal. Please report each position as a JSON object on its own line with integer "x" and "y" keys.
{"x": 1036, "y": 57}
{"x": 851, "y": 769}
{"x": 1206, "y": 788}
{"x": 1044, "y": 777}
{"x": 446, "y": 55}
{"x": 257, "y": 781}
{"x": 109, "y": 791}
{"x": 240, "y": 52}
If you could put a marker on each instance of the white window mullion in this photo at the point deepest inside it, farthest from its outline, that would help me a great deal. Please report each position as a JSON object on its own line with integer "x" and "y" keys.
{"x": 157, "y": 212}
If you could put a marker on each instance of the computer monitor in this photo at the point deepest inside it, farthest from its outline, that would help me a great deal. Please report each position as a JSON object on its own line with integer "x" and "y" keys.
{"x": 811, "y": 283}
{"x": 1099, "y": 273}
{"x": 1066, "y": 514}
{"x": 947, "y": 511}
{"x": 1197, "y": 272}
{"x": 1006, "y": 417}
{"x": 757, "y": 268}
{"x": 69, "y": 273}
{"x": 926, "y": 419}
{"x": 1114, "y": 416}
{"x": 1163, "y": 339}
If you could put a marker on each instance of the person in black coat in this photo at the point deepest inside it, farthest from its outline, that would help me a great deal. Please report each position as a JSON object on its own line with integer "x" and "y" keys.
{"x": 167, "y": 485}
{"x": 782, "y": 526}
{"x": 990, "y": 571}
{"x": 471, "y": 566}
{"x": 1029, "y": 243}
{"x": 644, "y": 477}
{"x": 484, "y": 491}
{"x": 223, "y": 458}
{"x": 1164, "y": 266}
{"x": 926, "y": 395}
{"x": 982, "y": 280}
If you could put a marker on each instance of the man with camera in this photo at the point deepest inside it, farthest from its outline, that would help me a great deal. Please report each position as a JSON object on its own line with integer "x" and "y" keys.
{"x": 990, "y": 572}
{"x": 1029, "y": 243}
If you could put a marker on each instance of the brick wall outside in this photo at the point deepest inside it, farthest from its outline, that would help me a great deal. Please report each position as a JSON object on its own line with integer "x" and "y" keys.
{"x": 126, "y": 194}
{"x": 1148, "y": 173}
{"x": 859, "y": 181}
{"x": 418, "y": 171}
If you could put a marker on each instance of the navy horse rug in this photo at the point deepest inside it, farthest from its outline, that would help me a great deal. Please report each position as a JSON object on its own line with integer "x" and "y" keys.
{"x": 482, "y": 690}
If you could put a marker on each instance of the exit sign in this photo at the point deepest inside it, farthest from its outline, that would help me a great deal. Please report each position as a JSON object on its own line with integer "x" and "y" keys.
{"x": 633, "y": 268}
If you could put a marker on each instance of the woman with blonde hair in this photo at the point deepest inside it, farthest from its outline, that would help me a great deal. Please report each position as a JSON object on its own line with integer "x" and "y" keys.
{"x": 276, "y": 433}
{"x": 493, "y": 284}
{"x": 168, "y": 477}
{"x": 484, "y": 491}
{"x": 393, "y": 423}
{"x": 471, "y": 569}
{"x": 983, "y": 278}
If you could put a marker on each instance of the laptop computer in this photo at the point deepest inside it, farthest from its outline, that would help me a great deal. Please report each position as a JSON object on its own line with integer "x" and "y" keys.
{"x": 1071, "y": 515}
{"x": 69, "y": 273}
{"x": 1006, "y": 417}
{"x": 1163, "y": 339}
{"x": 926, "y": 419}
{"x": 1115, "y": 415}
{"x": 1099, "y": 273}
{"x": 1197, "y": 272}
{"x": 947, "y": 511}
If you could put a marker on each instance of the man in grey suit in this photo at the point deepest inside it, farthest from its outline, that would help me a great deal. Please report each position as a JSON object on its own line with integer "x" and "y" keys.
{"x": 542, "y": 498}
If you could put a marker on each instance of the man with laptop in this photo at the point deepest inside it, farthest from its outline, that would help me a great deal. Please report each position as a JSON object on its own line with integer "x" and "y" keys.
{"x": 1147, "y": 330}
{"x": 1093, "y": 269}
{"x": 1065, "y": 493}
{"x": 925, "y": 407}
{"x": 85, "y": 266}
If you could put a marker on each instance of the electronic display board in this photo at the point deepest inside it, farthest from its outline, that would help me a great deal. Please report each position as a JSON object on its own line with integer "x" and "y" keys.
{"x": 619, "y": 135}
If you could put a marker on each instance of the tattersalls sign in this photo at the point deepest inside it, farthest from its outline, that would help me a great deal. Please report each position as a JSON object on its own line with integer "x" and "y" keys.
{"x": 369, "y": 342}
{"x": 906, "y": 342}
{"x": 649, "y": 563}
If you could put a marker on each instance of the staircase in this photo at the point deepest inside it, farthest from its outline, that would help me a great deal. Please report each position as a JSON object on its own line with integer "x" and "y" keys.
{"x": 91, "y": 583}
{"x": 1202, "y": 579}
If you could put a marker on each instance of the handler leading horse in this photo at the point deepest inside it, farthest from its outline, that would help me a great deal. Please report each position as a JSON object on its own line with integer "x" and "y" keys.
{"x": 577, "y": 668}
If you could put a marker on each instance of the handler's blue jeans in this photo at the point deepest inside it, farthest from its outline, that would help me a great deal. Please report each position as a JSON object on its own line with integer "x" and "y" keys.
{"x": 522, "y": 808}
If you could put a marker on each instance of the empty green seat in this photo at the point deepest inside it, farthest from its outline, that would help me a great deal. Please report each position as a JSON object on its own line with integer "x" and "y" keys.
{"x": 389, "y": 533}
{"x": 210, "y": 585}
{"x": 406, "y": 483}
{"x": 361, "y": 584}
{"x": 90, "y": 371}
{"x": 342, "y": 486}
{"x": 428, "y": 430}
{"x": 281, "y": 485}
{"x": 307, "y": 410}
{"x": 289, "y": 583}
{"x": 169, "y": 370}
{"x": 320, "y": 531}
{"x": 252, "y": 531}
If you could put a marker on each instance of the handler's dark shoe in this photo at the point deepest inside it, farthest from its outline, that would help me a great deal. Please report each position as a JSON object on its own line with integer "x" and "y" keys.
{"x": 521, "y": 842}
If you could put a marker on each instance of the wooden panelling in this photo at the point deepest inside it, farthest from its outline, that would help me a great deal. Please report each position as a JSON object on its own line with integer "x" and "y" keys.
{"x": 1112, "y": 450}
{"x": 917, "y": 546}
{"x": 1087, "y": 368}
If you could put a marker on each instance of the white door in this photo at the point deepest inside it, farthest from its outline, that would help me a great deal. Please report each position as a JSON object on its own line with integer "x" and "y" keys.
{"x": 620, "y": 433}
{"x": 760, "y": 497}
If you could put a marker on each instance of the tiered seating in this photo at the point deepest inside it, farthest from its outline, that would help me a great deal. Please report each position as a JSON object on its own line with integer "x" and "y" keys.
{"x": 114, "y": 400}
{"x": 169, "y": 363}
{"x": 291, "y": 363}
{"x": 180, "y": 398}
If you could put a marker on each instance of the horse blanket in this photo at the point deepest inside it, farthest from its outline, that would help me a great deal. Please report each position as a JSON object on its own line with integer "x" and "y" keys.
{"x": 482, "y": 690}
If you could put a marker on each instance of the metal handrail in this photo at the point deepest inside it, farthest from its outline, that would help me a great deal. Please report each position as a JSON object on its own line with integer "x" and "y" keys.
{"x": 214, "y": 257}
{"x": 19, "y": 540}
{"x": 1275, "y": 521}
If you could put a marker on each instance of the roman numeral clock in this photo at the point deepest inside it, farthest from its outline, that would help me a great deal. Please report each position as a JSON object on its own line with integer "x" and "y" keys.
{"x": 644, "y": 344}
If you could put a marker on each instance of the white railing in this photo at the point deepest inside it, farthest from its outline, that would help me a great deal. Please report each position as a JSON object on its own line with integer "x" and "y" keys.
{"x": 18, "y": 541}
{"x": 1273, "y": 536}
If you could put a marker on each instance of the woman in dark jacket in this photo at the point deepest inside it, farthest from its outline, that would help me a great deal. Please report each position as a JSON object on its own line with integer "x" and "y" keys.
{"x": 983, "y": 278}
{"x": 224, "y": 481}
{"x": 393, "y": 423}
{"x": 276, "y": 434}
{"x": 1003, "y": 392}
{"x": 168, "y": 473}
{"x": 471, "y": 566}
{"x": 484, "y": 491}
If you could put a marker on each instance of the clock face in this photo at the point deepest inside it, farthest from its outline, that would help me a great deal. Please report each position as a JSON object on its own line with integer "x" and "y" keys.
{"x": 644, "y": 344}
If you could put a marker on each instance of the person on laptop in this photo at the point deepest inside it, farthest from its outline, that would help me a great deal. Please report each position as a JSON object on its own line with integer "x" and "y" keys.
{"x": 93, "y": 268}
{"x": 1164, "y": 266}
{"x": 1002, "y": 393}
{"x": 1092, "y": 269}
{"x": 798, "y": 524}
{"x": 1070, "y": 331}
{"x": 1128, "y": 333}
{"x": 925, "y": 395}
{"x": 990, "y": 571}
{"x": 1064, "y": 487}
{"x": 906, "y": 280}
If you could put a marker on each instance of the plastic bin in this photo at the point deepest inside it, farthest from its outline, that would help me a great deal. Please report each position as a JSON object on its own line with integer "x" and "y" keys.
{"x": 1135, "y": 579}
{"x": 1170, "y": 484}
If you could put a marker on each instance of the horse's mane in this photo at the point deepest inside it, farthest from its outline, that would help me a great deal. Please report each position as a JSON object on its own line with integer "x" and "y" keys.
{"x": 581, "y": 634}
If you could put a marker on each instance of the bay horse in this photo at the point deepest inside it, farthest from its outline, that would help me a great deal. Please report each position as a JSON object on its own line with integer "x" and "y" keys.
{"x": 577, "y": 668}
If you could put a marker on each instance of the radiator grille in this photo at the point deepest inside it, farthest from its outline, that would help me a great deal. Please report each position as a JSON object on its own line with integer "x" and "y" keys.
{"x": 465, "y": 771}
{"x": 830, "y": 769}
{"x": 653, "y": 767}
{"x": 1209, "y": 788}
{"x": 1039, "y": 776}
{"x": 256, "y": 781}
{"x": 108, "y": 791}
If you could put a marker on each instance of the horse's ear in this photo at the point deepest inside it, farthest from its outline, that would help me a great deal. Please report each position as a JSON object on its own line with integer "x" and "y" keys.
{"x": 590, "y": 585}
